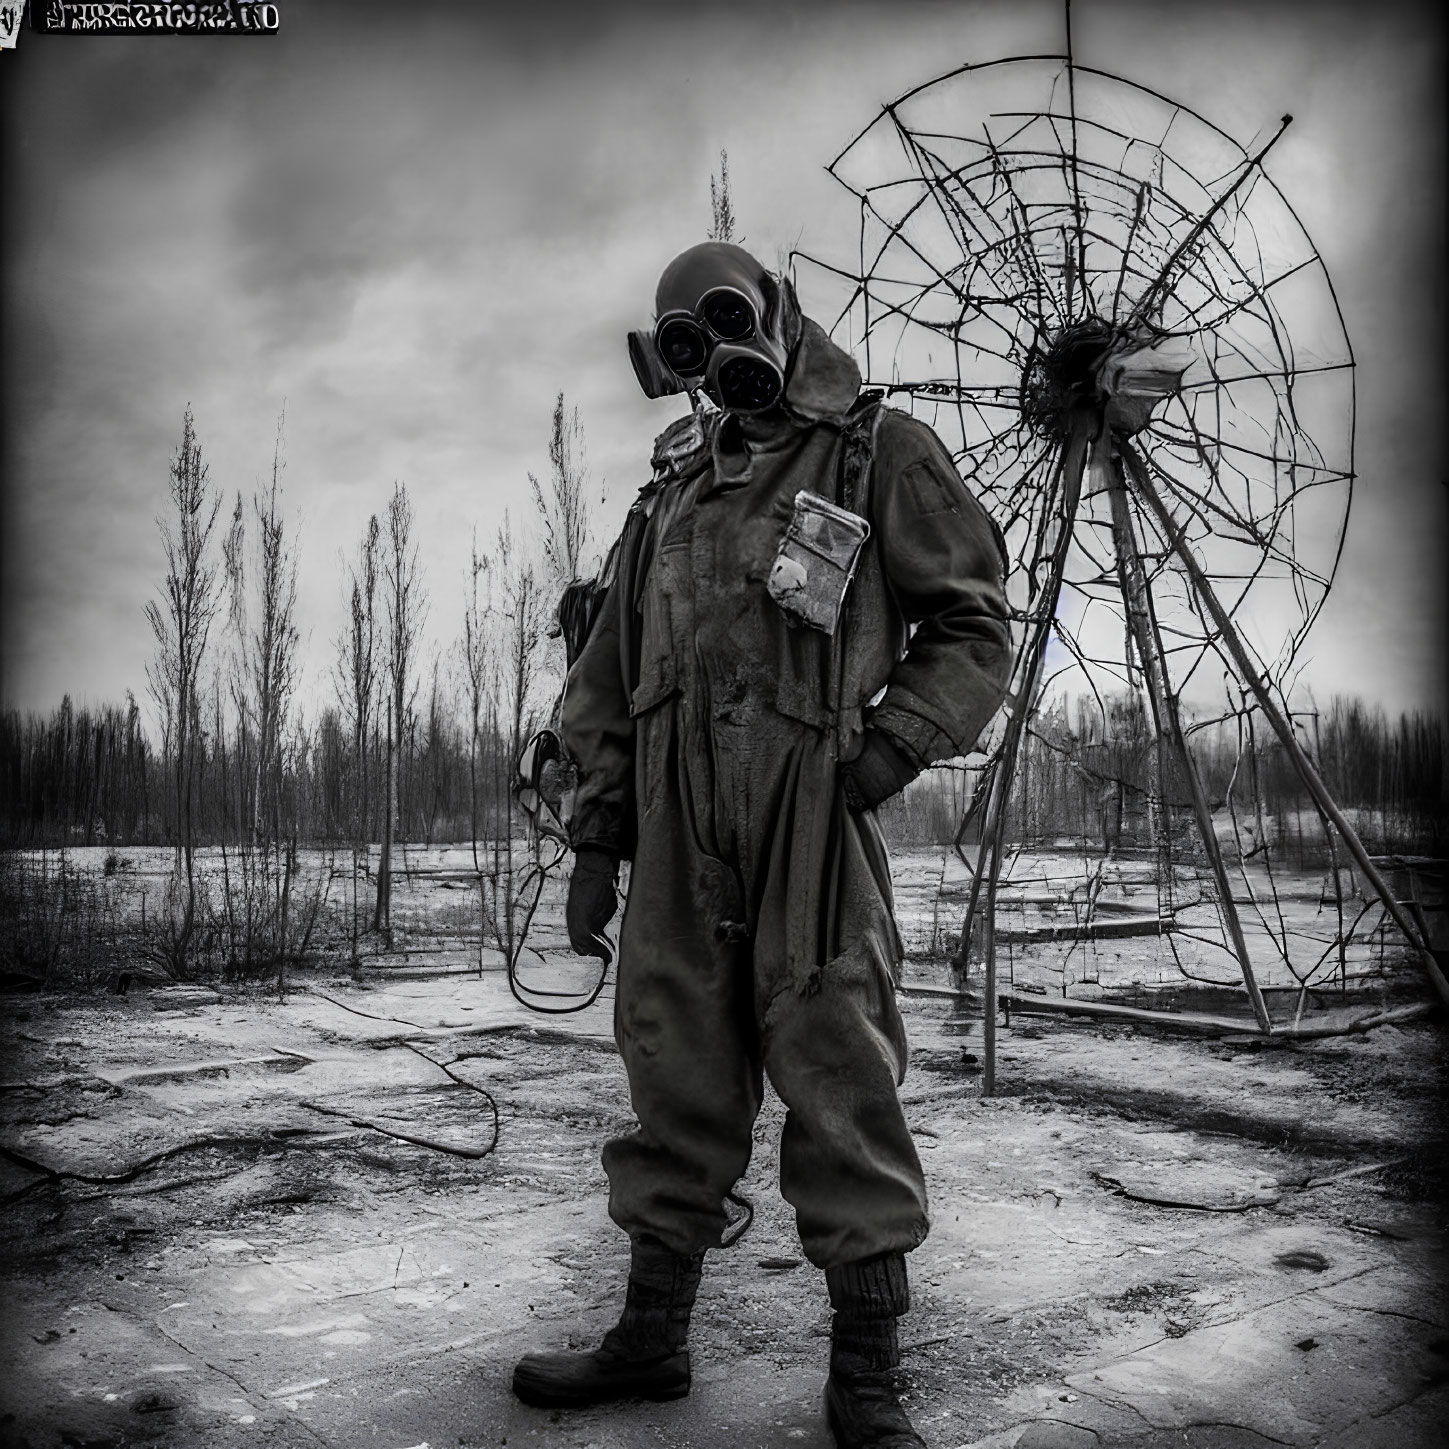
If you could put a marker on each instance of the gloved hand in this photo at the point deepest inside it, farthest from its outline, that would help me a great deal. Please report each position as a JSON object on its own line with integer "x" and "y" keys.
{"x": 592, "y": 901}
{"x": 879, "y": 771}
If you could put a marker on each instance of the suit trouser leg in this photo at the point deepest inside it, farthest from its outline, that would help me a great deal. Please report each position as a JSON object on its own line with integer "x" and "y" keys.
{"x": 848, "y": 1165}
{"x": 684, "y": 1022}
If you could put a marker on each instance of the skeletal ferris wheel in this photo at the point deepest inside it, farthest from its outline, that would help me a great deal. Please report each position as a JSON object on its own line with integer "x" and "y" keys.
{"x": 1116, "y": 321}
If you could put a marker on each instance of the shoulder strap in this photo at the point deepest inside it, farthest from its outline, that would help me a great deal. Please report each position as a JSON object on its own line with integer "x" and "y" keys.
{"x": 858, "y": 453}
{"x": 683, "y": 448}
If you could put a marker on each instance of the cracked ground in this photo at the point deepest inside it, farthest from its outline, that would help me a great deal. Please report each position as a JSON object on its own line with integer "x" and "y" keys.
{"x": 1145, "y": 1239}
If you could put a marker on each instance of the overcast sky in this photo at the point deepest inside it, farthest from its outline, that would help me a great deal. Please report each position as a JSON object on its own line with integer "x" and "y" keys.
{"x": 414, "y": 224}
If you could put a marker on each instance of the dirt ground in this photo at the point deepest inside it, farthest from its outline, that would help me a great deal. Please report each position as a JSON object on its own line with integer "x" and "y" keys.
{"x": 1146, "y": 1238}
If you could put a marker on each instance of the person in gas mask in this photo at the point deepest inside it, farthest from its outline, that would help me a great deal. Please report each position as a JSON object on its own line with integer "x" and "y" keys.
{"x": 804, "y": 611}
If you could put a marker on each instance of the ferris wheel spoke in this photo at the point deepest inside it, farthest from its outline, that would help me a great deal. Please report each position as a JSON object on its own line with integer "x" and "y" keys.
{"x": 1176, "y": 540}
{"x": 1081, "y": 256}
{"x": 1183, "y": 492}
{"x": 1027, "y": 675}
{"x": 1258, "y": 294}
{"x": 934, "y": 173}
{"x": 1218, "y": 380}
{"x": 1242, "y": 449}
{"x": 895, "y": 232}
{"x": 1127, "y": 248}
{"x": 1201, "y": 504}
{"x": 1022, "y": 233}
{"x": 1155, "y": 291}
{"x": 858, "y": 283}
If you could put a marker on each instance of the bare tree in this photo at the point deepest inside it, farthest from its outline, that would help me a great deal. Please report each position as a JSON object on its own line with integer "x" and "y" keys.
{"x": 355, "y": 675}
{"x": 564, "y": 508}
{"x": 722, "y": 225}
{"x": 475, "y": 654}
{"x": 520, "y": 619}
{"x": 520, "y": 626}
{"x": 262, "y": 614}
{"x": 433, "y": 762}
{"x": 568, "y": 545}
{"x": 266, "y": 674}
{"x": 406, "y": 606}
{"x": 356, "y": 670}
{"x": 181, "y": 624}
{"x": 504, "y": 622}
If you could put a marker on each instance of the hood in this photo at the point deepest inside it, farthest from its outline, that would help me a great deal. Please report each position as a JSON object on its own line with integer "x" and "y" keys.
{"x": 824, "y": 380}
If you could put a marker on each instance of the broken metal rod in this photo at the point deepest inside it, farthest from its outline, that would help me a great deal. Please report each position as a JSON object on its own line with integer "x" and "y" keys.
{"x": 1153, "y": 294}
{"x": 1063, "y": 1006}
{"x": 1205, "y": 1021}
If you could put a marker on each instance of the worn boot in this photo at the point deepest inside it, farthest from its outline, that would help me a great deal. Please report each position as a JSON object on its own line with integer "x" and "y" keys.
{"x": 861, "y": 1406}
{"x": 644, "y": 1357}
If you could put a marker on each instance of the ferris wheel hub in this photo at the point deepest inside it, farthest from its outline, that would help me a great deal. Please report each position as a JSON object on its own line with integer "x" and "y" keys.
{"x": 1120, "y": 371}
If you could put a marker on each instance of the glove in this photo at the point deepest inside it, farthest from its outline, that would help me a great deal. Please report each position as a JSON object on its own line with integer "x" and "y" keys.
{"x": 592, "y": 901}
{"x": 879, "y": 771}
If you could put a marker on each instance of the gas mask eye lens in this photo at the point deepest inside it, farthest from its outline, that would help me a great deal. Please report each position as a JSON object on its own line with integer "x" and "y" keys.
{"x": 728, "y": 315}
{"x": 683, "y": 346}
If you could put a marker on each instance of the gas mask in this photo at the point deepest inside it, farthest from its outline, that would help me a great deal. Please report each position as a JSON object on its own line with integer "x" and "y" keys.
{"x": 723, "y": 324}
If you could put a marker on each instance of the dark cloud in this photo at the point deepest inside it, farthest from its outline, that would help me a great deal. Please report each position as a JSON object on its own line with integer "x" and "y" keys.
{"x": 417, "y": 223}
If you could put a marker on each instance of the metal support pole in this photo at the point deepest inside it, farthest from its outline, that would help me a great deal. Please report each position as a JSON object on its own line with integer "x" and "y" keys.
{"x": 988, "y": 1021}
{"x": 1253, "y": 678}
{"x": 1073, "y": 467}
{"x": 1167, "y": 717}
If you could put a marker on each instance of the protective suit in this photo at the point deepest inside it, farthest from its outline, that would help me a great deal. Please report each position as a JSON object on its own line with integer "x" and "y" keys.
{"x": 760, "y": 663}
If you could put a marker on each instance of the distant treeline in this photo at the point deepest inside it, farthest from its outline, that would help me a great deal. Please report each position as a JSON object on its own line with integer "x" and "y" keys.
{"x": 1091, "y": 772}
{"x": 92, "y": 777}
